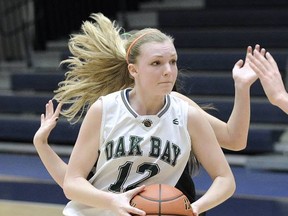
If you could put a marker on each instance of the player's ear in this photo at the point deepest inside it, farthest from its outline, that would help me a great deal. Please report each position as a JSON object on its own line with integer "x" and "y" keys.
{"x": 132, "y": 69}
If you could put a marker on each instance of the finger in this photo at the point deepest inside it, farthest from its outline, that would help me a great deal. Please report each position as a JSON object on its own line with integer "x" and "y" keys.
{"x": 42, "y": 117}
{"x": 136, "y": 211}
{"x": 249, "y": 50}
{"x": 238, "y": 64}
{"x": 58, "y": 110}
{"x": 135, "y": 191}
{"x": 262, "y": 61}
{"x": 262, "y": 52}
{"x": 255, "y": 65}
{"x": 257, "y": 47}
{"x": 272, "y": 61}
{"x": 49, "y": 109}
{"x": 257, "y": 70}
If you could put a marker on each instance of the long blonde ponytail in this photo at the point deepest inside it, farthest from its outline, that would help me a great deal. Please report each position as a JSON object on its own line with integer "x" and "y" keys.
{"x": 98, "y": 66}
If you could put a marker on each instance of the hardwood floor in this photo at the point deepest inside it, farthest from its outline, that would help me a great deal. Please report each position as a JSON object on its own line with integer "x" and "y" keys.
{"x": 15, "y": 208}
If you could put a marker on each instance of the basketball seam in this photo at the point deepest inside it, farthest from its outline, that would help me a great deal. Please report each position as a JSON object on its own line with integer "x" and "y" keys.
{"x": 160, "y": 200}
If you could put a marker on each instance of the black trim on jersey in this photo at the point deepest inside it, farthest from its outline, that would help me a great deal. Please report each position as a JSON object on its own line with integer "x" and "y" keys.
{"x": 166, "y": 106}
{"x": 125, "y": 99}
{"x": 124, "y": 96}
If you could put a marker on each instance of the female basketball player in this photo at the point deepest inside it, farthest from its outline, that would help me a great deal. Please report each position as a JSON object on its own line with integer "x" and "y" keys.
{"x": 242, "y": 83}
{"x": 267, "y": 70}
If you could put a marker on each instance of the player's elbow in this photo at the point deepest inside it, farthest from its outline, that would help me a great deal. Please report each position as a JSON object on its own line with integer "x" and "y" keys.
{"x": 235, "y": 141}
{"x": 232, "y": 186}
{"x": 230, "y": 182}
{"x": 236, "y": 145}
{"x": 68, "y": 187}
{"x": 228, "y": 185}
{"x": 239, "y": 147}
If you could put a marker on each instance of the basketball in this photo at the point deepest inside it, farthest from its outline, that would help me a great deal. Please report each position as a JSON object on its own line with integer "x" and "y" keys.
{"x": 162, "y": 199}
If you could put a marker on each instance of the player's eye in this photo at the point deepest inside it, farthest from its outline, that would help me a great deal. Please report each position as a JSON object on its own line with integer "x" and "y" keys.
{"x": 155, "y": 63}
{"x": 174, "y": 61}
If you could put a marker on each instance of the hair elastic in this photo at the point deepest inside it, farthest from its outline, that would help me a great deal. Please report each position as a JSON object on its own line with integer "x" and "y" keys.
{"x": 132, "y": 44}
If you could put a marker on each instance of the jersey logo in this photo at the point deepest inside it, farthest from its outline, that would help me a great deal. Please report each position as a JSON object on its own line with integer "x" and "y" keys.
{"x": 147, "y": 123}
{"x": 176, "y": 121}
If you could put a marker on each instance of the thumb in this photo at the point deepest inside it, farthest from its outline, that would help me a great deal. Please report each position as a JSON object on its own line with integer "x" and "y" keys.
{"x": 135, "y": 191}
{"x": 238, "y": 64}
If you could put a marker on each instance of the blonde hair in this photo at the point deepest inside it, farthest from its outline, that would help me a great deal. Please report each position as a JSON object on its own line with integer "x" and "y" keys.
{"x": 99, "y": 63}
{"x": 141, "y": 37}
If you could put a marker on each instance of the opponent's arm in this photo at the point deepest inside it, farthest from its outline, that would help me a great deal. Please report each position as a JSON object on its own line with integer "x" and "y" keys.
{"x": 270, "y": 77}
{"x": 53, "y": 163}
{"x": 233, "y": 134}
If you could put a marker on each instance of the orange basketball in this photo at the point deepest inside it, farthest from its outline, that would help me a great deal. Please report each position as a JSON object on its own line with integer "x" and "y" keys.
{"x": 162, "y": 199}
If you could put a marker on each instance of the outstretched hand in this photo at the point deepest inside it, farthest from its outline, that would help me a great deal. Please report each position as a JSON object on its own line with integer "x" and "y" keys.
{"x": 270, "y": 77}
{"x": 243, "y": 74}
{"x": 48, "y": 122}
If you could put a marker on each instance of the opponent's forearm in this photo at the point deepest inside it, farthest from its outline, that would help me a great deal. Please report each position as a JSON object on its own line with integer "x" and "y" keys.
{"x": 282, "y": 102}
{"x": 239, "y": 121}
{"x": 233, "y": 134}
{"x": 53, "y": 163}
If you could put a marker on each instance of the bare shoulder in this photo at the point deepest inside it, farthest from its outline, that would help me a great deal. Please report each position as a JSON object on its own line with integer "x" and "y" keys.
{"x": 196, "y": 118}
{"x": 185, "y": 98}
{"x": 97, "y": 105}
{"x": 194, "y": 113}
{"x": 94, "y": 113}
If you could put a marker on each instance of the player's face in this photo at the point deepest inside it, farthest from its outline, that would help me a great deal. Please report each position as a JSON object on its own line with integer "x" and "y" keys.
{"x": 156, "y": 67}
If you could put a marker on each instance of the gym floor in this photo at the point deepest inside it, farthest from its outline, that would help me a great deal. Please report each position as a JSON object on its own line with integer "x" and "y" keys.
{"x": 21, "y": 208}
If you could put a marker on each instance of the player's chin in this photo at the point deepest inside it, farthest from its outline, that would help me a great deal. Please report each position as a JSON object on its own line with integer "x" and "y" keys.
{"x": 166, "y": 91}
{"x": 166, "y": 88}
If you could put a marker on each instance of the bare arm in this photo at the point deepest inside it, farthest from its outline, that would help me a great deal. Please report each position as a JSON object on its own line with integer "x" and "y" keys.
{"x": 210, "y": 155}
{"x": 233, "y": 134}
{"x": 85, "y": 152}
{"x": 267, "y": 70}
{"x": 53, "y": 163}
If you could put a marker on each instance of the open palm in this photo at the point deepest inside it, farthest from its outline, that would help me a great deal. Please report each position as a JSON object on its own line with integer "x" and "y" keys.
{"x": 242, "y": 72}
{"x": 48, "y": 121}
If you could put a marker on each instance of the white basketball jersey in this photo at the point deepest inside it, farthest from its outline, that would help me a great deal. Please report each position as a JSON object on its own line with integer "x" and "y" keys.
{"x": 137, "y": 150}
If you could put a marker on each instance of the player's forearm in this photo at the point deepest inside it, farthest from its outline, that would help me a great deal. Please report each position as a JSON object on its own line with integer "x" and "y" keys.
{"x": 80, "y": 190}
{"x": 221, "y": 189}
